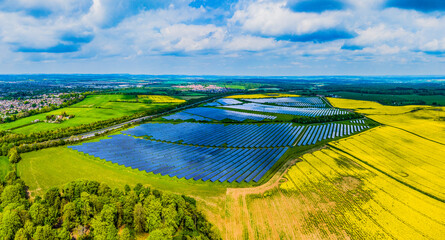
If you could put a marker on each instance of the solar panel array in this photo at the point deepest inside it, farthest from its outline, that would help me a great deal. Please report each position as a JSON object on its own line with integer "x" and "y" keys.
{"x": 212, "y": 104}
{"x": 233, "y": 135}
{"x": 186, "y": 116}
{"x": 228, "y": 101}
{"x": 309, "y": 112}
{"x": 221, "y": 114}
{"x": 317, "y": 133}
{"x": 292, "y": 101}
{"x": 358, "y": 121}
{"x": 190, "y": 162}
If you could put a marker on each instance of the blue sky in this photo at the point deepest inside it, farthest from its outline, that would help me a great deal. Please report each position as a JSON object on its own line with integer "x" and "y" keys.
{"x": 245, "y": 37}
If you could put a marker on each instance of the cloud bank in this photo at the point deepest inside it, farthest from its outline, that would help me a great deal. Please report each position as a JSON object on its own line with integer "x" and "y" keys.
{"x": 229, "y": 37}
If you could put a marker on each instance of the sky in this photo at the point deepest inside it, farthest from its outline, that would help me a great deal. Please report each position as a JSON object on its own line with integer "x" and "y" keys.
{"x": 211, "y": 37}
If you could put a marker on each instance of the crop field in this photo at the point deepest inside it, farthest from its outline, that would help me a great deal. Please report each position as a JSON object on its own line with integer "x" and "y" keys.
{"x": 422, "y": 170}
{"x": 264, "y": 95}
{"x": 219, "y": 135}
{"x": 160, "y": 99}
{"x": 378, "y": 184}
{"x": 309, "y": 112}
{"x": 220, "y": 114}
{"x": 425, "y": 121}
{"x": 314, "y": 102}
{"x": 93, "y": 108}
{"x": 332, "y": 194}
{"x": 214, "y": 164}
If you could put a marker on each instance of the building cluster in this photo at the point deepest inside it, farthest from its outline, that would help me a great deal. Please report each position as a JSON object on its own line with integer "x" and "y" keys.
{"x": 9, "y": 107}
{"x": 203, "y": 88}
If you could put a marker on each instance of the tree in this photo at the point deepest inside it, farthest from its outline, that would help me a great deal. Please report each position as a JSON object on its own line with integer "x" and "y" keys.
{"x": 44, "y": 233}
{"x": 38, "y": 213}
{"x": 52, "y": 197}
{"x": 69, "y": 216}
{"x": 158, "y": 234}
{"x": 21, "y": 235}
{"x": 139, "y": 219}
{"x": 11, "y": 194}
{"x": 13, "y": 155}
{"x": 125, "y": 234}
{"x": 10, "y": 224}
{"x": 103, "y": 230}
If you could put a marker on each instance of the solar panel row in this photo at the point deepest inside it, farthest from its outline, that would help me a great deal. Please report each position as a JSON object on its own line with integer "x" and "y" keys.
{"x": 233, "y": 135}
{"x": 221, "y": 114}
{"x": 186, "y": 116}
{"x": 358, "y": 121}
{"x": 317, "y": 133}
{"x": 190, "y": 162}
{"x": 309, "y": 112}
{"x": 292, "y": 101}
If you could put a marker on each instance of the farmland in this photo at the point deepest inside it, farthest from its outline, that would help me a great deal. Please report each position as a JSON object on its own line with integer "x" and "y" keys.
{"x": 376, "y": 184}
{"x": 425, "y": 121}
{"x": 159, "y": 99}
{"x": 265, "y": 95}
{"x": 371, "y": 185}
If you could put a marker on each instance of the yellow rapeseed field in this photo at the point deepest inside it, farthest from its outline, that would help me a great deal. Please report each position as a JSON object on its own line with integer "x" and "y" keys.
{"x": 404, "y": 156}
{"x": 161, "y": 99}
{"x": 425, "y": 121}
{"x": 340, "y": 197}
{"x": 384, "y": 183}
{"x": 264, "y": 95}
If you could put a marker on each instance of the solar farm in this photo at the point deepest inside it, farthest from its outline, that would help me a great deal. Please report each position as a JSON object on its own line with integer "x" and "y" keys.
{"x": 307, "y": 112}
{"x": 257, "y": 109}
{"x": 213, "y": 151}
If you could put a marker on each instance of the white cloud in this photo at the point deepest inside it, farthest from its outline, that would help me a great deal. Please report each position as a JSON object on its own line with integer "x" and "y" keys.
{"x": 250, "y": 43}
{"x": 274, "y": 18}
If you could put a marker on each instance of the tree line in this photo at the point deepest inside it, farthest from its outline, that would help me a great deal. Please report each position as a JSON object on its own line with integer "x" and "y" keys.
{"x": 85, "y": 209}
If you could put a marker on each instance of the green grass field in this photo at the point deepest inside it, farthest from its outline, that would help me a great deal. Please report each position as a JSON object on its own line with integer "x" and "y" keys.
{"x": 4, "y": 166}
{"x": 93, "y": 108}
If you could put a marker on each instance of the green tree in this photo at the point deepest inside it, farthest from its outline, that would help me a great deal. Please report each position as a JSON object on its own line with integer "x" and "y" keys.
{"x": 103, "y": 230}
{"x": 139, "y": 219}
{"x": 69, "y": 216}
{"x": 13, "y": 155}
{"x": 11, "y": 194}
{"x": 44, "y": 233}
{"x": 38, "y": 213}
{"x": 21, "y": 235}
{"x": 125, "y": 234}
{"x": 158, "y": 234}
{"x": 10, "y": 224}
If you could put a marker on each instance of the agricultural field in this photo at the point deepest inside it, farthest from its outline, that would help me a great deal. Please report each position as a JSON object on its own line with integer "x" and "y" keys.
{"x": 425, "y": 121}
{"x": 159, "y": 99}
{"x": 93, "y": 108}
{"x": 374, "y": 184}
{"x": 263, "y": 95}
